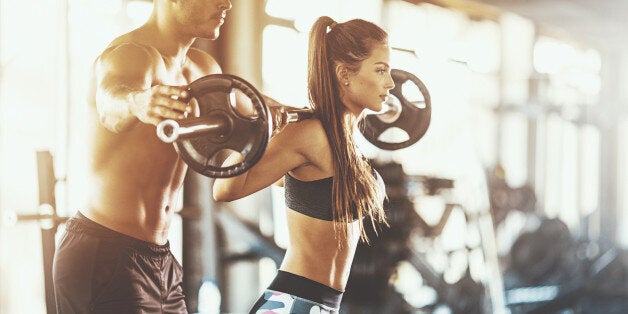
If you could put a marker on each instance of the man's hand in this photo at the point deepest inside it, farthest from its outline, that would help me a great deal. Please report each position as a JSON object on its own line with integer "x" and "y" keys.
{"x": 161, "y": 102}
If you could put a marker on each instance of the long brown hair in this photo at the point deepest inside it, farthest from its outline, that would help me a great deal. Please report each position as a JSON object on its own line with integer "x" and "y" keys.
{"x": 355, "y": 193}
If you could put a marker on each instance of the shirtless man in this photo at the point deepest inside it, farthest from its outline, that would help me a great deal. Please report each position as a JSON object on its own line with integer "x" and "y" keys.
{"x": 114, "y": 256}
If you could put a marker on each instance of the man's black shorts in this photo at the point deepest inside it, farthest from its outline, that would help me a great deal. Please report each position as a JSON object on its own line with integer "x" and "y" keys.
{"x": 98, "y": 270}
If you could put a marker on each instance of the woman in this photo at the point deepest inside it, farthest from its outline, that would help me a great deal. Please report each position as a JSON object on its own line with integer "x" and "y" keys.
{"x": 330, "y": 188}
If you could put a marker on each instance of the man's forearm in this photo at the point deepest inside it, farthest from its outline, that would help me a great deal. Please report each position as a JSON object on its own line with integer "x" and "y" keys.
{"x": 115, "y": 109}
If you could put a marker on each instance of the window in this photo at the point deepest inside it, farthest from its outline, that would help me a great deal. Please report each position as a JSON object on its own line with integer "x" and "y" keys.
{"x": 46, "y": 50}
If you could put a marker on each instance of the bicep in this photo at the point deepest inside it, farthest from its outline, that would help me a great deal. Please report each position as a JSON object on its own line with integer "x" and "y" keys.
{"x": 126, "y": 67}
{"x": 121, "y": 72}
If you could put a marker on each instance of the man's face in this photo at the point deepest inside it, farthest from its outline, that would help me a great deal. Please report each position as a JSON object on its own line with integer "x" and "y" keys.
{"x": 203, "y": 18}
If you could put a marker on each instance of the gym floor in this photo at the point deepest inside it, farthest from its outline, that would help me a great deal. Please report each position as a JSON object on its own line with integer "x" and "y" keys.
{"x": 515, "y": 194}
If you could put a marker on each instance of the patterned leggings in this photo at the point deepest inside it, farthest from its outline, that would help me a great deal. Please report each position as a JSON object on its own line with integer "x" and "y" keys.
{"x": 273, "y": 302}
{"x": 306, "y": 297}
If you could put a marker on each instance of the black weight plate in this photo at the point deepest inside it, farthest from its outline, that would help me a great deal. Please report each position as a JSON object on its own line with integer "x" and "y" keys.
{"x": 415, "y": 116}
{"x": 247, "y": 135}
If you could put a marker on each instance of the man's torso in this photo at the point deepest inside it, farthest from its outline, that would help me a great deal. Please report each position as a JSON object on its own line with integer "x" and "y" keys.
{"x": 134, "y": 177}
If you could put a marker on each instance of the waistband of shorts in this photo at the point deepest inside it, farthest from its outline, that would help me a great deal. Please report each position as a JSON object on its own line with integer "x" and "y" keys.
{"x": 308, "y": 289}
{"x": 80, "y": 223}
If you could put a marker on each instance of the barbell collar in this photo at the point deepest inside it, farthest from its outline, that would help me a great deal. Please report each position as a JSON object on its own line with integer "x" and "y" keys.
{"x": 296, "y": 115}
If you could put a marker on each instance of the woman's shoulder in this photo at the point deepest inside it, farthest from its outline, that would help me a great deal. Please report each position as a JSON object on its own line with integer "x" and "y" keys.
{"x": 309, "y": 139}
{"x": 308, "y": 134}
{"x": 308, "y": 128}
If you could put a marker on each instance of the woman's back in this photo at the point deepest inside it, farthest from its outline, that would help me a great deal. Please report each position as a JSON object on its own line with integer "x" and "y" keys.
{"x": 317, "y": 252}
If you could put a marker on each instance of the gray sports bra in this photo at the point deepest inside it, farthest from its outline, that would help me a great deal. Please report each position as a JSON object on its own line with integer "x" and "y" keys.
{"x": 314, "y": 198}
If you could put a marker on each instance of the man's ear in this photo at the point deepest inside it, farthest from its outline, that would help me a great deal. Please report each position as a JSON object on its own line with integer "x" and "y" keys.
{"x": 342, "y": 74}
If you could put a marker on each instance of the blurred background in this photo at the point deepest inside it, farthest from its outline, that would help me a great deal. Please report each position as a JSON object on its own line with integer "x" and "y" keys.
{"x": 513, "y": 202}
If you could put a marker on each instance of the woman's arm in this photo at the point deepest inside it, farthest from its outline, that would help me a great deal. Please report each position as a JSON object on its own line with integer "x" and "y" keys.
{"x": 286, "y": 151}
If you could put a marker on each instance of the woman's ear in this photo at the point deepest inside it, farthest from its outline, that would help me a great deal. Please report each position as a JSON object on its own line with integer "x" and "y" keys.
{"x": 342, "y": 74}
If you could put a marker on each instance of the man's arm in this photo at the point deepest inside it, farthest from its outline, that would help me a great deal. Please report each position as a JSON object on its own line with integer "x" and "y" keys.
{"x": 126, "y": 91}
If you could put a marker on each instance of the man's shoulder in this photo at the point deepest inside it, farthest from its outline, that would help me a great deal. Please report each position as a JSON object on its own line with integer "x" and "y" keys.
{"x": 203, "y": 61}
{"x": 197, "y": 54}
{"x": 127, "y": 56}
{"x": 129, "y": 49}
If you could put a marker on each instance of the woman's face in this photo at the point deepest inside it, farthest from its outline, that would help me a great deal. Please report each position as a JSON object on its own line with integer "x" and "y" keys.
{"x": 368, "y": 87}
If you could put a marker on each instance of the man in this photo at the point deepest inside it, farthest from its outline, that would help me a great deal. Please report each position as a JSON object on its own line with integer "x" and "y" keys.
{"x": 114, "y": 256}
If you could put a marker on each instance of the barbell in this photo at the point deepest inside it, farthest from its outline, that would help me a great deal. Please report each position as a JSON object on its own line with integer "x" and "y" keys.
{"x": 232, "y": 116}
